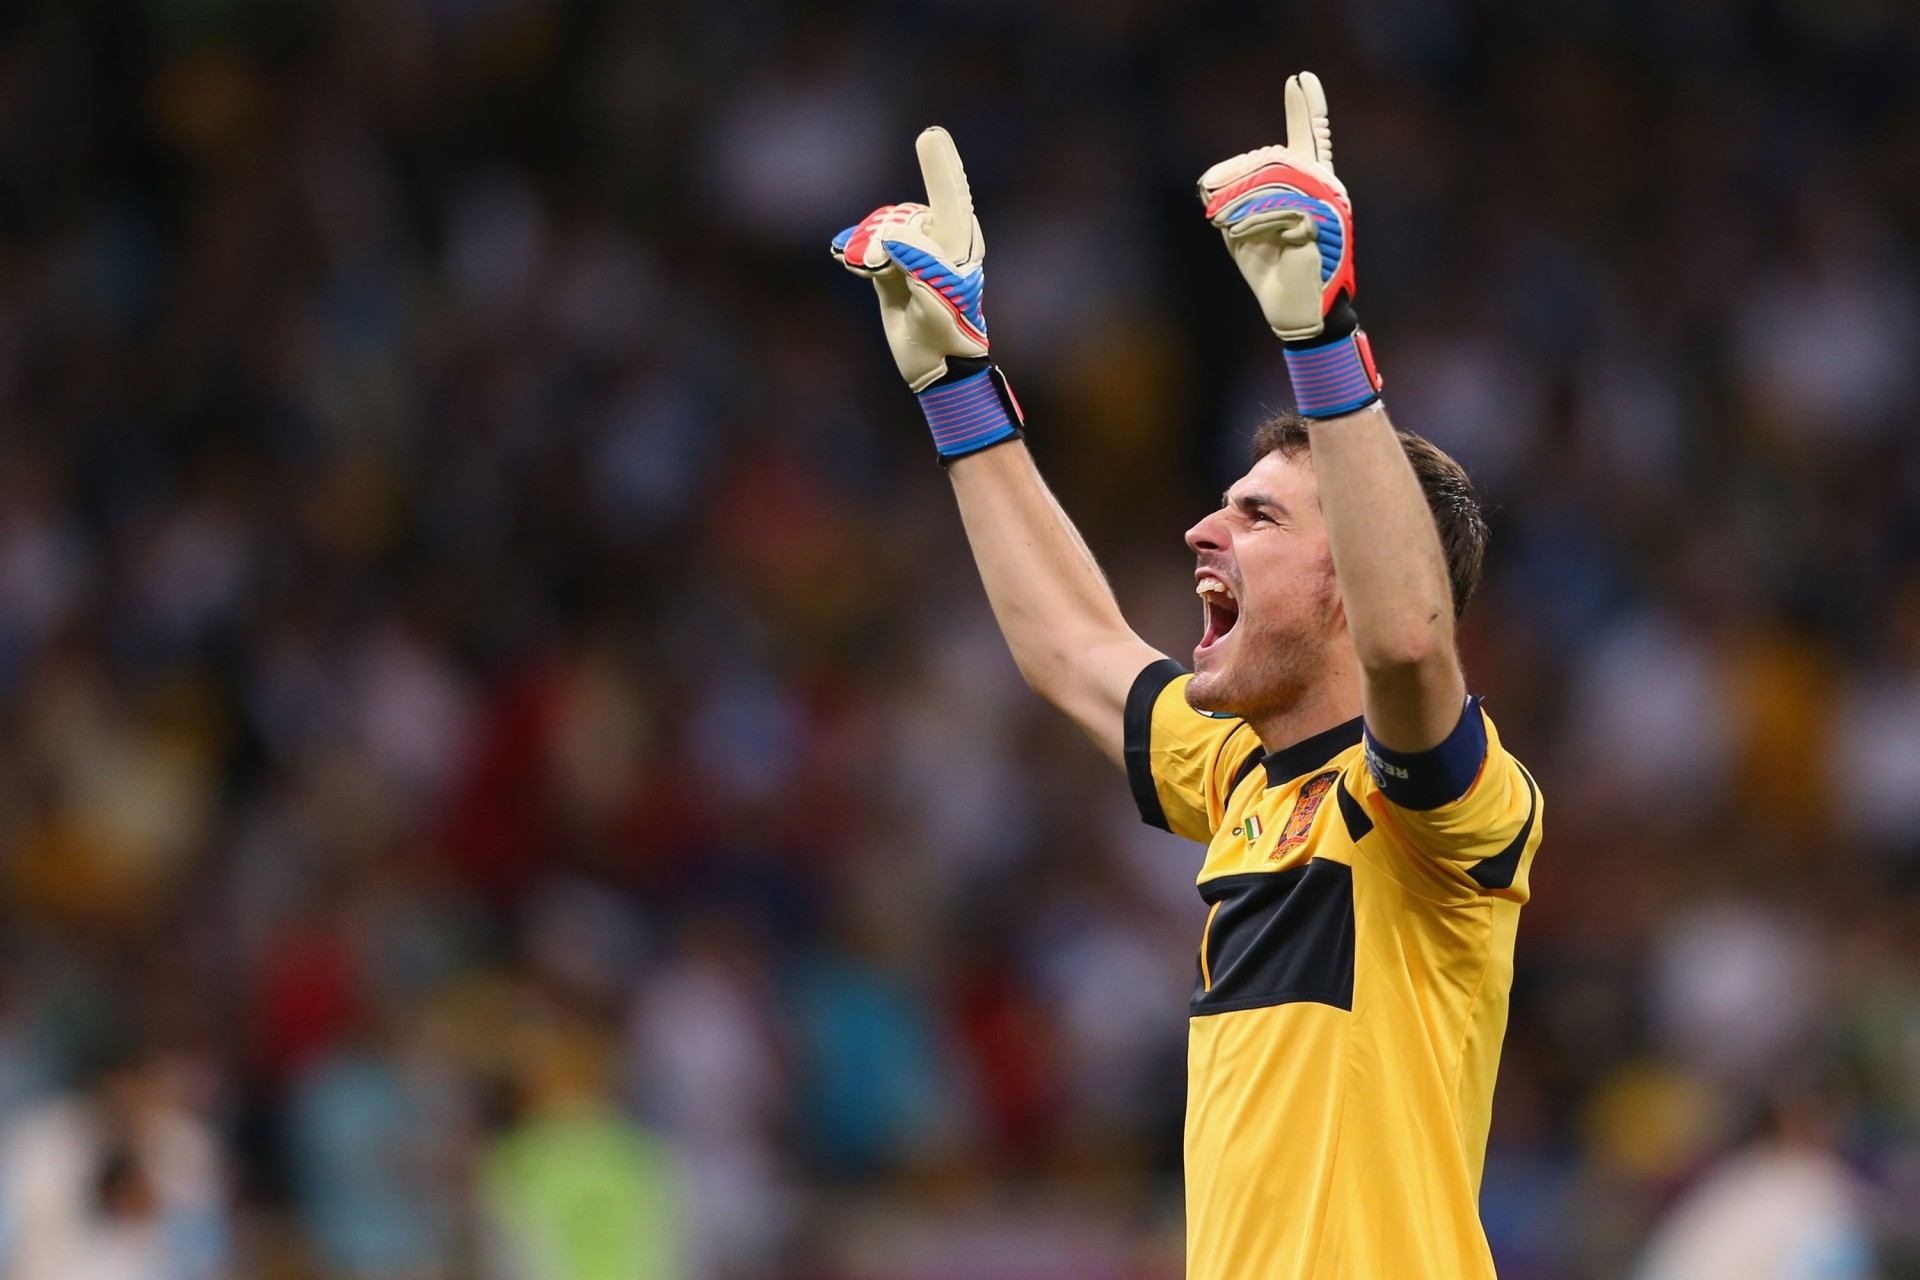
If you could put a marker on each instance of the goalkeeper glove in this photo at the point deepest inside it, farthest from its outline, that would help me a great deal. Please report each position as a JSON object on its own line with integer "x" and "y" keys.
{"x": 925, "y": 261}
{"x": 1289, "y": 226}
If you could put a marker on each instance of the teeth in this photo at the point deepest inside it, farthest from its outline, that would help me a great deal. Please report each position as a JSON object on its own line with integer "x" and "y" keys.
{"x": 1212, "y": 586}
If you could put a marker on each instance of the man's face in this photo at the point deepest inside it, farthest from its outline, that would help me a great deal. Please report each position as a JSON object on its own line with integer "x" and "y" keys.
{"x": 1265, "y": 578}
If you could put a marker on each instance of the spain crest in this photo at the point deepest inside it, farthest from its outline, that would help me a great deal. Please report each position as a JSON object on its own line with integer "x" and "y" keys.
{"x": 1300, "y": 821}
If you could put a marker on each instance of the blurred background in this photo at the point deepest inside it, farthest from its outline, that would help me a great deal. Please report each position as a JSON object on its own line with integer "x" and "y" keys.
{"x": 505, "y": 766}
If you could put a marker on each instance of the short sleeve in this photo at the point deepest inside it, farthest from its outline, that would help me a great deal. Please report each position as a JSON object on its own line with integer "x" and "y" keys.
{"x": 1481, "y": 821}
{"x": 1182, "y": 764}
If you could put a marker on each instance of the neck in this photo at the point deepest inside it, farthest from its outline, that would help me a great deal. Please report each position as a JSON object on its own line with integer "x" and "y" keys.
{"x": 1331, "y": 701}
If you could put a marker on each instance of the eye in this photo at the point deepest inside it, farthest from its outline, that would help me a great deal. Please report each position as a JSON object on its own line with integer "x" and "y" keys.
{"x": 1257, "y": 516}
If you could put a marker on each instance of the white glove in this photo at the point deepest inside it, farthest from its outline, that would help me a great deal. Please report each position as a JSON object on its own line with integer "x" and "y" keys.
{"x": 925, "y": 261}
{"x": 1288, "y": 223}
{"x": 1286, "y": 218}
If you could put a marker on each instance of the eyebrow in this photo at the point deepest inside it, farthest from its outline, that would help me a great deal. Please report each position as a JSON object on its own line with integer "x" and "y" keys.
{"x": 1248, "y": 501}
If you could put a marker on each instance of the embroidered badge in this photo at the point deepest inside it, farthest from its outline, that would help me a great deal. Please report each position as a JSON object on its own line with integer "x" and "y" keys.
{"x": 1300, "y": 821}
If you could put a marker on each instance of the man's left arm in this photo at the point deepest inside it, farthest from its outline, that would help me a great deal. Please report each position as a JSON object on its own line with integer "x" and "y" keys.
{"x": 1288, "y": 223}
{"x": 1393, "y": 580}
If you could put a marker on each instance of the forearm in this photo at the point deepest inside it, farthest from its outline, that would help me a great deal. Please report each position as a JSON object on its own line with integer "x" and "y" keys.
{"x": 1393, "y": 578}
{"x": 1053, "y": 604}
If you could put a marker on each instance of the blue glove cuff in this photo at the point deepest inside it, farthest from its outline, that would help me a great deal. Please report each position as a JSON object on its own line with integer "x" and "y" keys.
{"x": 971, "y": 413}
{"x": 1333, "y": 379}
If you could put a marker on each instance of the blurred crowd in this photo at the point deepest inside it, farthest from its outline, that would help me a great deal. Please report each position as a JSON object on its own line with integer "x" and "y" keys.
{"x": 505, "y": 767}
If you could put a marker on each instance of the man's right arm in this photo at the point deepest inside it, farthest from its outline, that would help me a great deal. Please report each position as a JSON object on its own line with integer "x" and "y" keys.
{"x": 926, "y": 262}
{"x": 1051, "y": 600}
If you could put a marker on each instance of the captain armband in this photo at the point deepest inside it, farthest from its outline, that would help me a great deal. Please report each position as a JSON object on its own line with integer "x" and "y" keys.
{"x": 1438, "y": 776}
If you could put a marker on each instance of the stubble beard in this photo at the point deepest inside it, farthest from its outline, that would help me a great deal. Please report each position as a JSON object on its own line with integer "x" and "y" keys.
{"x": 1272, "y": 669}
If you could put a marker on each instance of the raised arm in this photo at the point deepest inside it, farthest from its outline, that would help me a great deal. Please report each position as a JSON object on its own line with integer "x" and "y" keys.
{"x": 1393, "y": 580}
{"x": 1050, "y": 598}
{"x": 1288, "y": 222}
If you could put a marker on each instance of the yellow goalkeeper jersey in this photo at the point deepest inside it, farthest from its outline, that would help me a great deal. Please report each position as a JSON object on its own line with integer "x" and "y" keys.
{"x": 1351, "y": 986}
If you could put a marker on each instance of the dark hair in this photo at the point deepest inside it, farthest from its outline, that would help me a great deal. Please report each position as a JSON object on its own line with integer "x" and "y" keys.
{"x": 1450, "y": 496}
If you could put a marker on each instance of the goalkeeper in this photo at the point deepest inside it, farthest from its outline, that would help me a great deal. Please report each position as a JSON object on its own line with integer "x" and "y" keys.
{"x": 1368, "y": 838}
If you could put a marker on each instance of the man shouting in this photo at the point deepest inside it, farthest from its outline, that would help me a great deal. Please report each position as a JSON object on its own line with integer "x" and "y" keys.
{"x": 1368, "y": 838}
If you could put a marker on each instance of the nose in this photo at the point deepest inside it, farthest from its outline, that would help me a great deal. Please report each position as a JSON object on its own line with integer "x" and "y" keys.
{"x": 1210, "y": 534}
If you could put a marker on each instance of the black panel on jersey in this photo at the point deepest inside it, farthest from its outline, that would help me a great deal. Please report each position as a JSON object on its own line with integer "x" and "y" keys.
{"x": 1247, "y": 766}
{"x": 1279, "y": 937}
{"x": 1358, "y": 821}
{"x": 1498, "y": 871}
{"x": 1137, "y": 737}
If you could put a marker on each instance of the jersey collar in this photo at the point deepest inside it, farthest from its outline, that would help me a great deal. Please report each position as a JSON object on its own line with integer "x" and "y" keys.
{"x": 1288, "y": 763}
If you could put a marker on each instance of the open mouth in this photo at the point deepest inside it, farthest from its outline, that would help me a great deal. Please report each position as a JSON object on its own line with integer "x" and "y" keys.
{"x": 1221, "y": 611}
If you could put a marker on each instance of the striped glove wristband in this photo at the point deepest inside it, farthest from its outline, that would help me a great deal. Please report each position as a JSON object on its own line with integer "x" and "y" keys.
{"x": 1333, "y": 375}
{"x": 970, "y": 409}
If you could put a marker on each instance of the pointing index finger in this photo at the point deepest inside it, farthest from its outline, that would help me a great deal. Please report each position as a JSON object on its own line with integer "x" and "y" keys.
{"x": 948, "y": 196}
